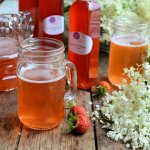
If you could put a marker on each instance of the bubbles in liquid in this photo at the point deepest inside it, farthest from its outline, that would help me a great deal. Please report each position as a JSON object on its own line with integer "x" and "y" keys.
{"x": 8, "y": 46}
{"x": 130, "y": 41}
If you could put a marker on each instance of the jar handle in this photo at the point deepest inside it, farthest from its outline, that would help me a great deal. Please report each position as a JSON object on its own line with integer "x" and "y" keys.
{"x": 71, "y": 81}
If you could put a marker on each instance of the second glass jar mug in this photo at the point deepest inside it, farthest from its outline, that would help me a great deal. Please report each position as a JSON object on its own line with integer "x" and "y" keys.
{"x": 128, "y": 46}
{"x": 42, "y": 74}
{"x": 13, "y": 29}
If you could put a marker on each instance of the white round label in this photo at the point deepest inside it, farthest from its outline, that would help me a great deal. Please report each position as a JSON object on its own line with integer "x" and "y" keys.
{"x": 80, "y": 43}
{"x": 53, "y": 25}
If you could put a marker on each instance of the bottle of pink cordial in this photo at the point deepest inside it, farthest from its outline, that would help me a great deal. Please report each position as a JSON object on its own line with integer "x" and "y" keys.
{"x": 51, "y": 18}
{"x": 84, "y": 39}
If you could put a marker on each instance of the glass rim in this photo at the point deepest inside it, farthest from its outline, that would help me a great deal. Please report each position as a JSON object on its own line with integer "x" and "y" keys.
{"x": 124, "y": 21}
{"x": 40, "y": 39}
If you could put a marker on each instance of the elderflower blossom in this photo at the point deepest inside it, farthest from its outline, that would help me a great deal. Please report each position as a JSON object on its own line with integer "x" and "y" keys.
{"x": 126, "y": 112}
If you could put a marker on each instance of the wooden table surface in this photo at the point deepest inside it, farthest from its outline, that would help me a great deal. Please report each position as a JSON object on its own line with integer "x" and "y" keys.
{"x": 14, "y": 136}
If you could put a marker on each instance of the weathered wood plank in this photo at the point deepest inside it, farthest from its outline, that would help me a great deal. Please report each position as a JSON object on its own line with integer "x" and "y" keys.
{"x": 103, "y": 65}
{"x": 58, "y": 139}
{"x": 9, "y": 120}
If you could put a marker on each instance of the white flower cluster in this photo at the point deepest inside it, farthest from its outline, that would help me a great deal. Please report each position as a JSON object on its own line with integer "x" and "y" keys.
{"x": 113, "y": 8}
{"x": 110, "y": 9}
{"x": 126, "y": 111}
{"x": 68, "y": 2}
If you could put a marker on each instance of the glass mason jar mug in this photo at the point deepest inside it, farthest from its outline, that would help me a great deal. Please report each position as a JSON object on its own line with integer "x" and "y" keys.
{"x": 13, "y": 29}
{"x": 10, "y": 33}
{"x": 42, "y": 78}
{"x": 128, "y": 47}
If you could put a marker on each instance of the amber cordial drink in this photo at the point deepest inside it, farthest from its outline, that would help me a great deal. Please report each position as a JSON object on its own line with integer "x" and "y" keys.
{"x": 125, "y": 52}
{"x": 8, "y": 63}
{"x": 42, "y": 83}
{"x": 13, "y": 29}
{"x": 128, "y": 47}
{"x": 40, "y": 95}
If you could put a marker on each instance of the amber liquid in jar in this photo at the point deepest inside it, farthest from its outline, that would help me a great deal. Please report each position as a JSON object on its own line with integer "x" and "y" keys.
{"x": 84, "y": 17}
{"x": 8, "y": 63}
{"x": 51, "y": 19}
{"x": 40, "y": 98}
{"x": 124, "y": 53}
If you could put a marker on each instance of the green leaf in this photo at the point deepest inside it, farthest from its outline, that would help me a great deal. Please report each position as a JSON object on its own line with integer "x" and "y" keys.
{"x": 72, "y": 120}
{"x": 101, "y": 91}
{"x": 148, "y": 108}
{"x": 66, "y": 9}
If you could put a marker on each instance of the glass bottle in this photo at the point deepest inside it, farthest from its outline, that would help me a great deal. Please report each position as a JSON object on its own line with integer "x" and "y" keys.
{"x": 32, "y": 7}
{"x": 128, "y": 46}
{"x": 26, "y": 23}
{"x": 84, "y": 39}
{"x": 51, "y": 19}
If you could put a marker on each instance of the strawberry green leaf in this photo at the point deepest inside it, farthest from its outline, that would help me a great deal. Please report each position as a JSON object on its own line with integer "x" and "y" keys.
{"x": 72, "y": 120}
{"x": 100, "y": 91}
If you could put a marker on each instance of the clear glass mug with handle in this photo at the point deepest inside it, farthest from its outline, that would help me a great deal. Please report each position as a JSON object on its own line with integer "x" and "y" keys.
{"x": 13, "y": 29}
{"x": 42, "y": 74}
{"x": 9, "y": 36}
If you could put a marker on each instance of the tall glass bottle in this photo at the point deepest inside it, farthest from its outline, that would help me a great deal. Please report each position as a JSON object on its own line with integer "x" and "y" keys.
{"x": 84, "y": 38}
{"x": 51, "y": 19}
{"x": 31, "y": 6}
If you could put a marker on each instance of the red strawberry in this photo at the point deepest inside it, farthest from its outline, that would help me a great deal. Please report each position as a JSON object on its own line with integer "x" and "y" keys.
{"x": 79, "y": 123}
{"x": 83, "y": 124}
{"x": 101, "y": 88}
{"x": 105, "y": 84}
{"x": 78, "y": 109}
{"x": 75, "y": 108}
{"x": 78, "y": 120}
